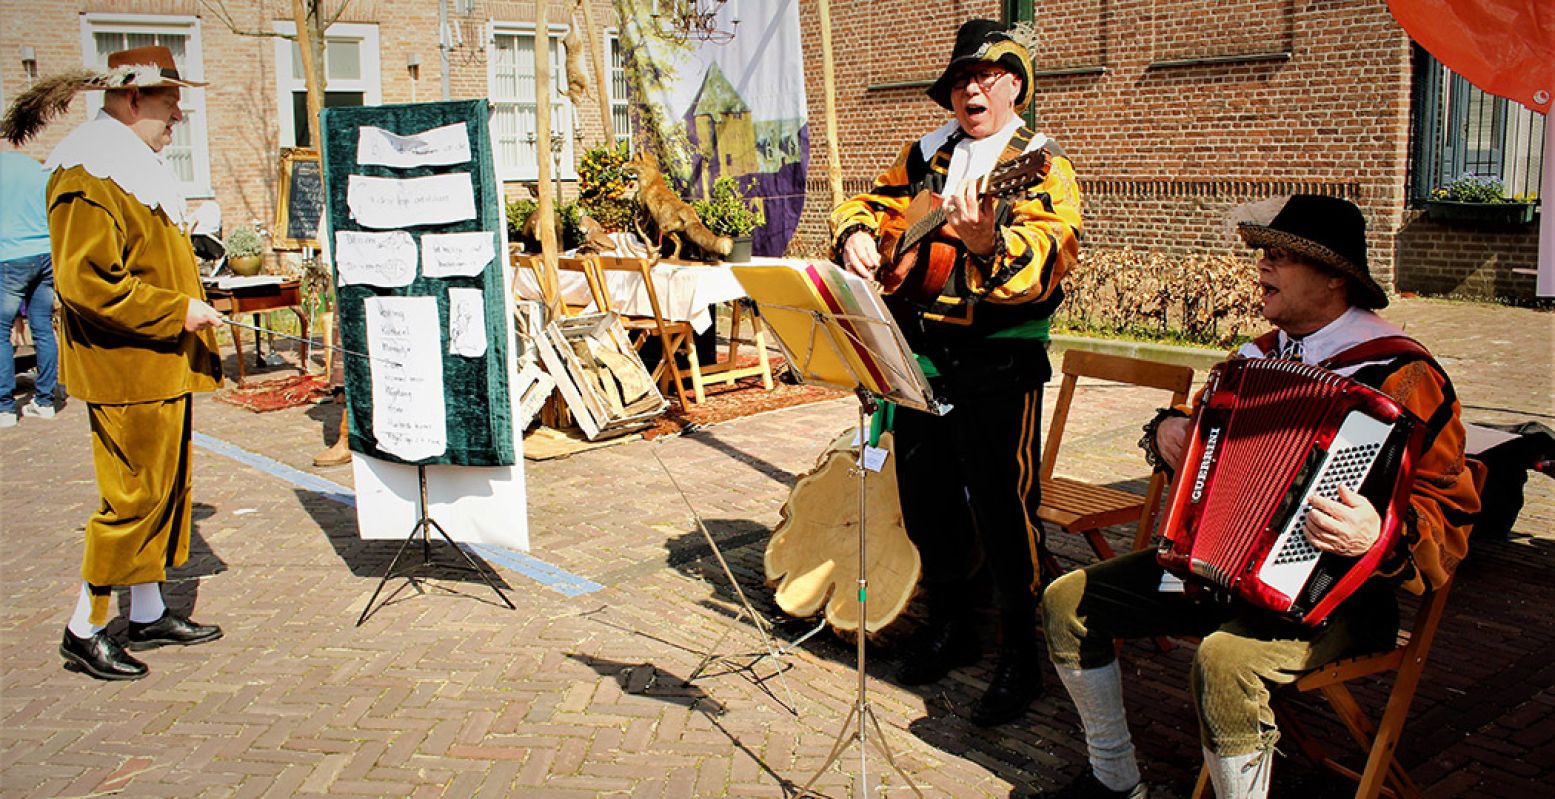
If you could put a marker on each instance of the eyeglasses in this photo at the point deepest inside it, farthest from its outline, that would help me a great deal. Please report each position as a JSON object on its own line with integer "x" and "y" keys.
{"x": 1278, "y": 254}
{"x": 985, "y": 79}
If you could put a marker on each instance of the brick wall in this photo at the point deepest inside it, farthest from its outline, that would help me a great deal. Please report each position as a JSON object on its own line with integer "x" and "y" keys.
{"x": 1172, "y": 113}
{"x": 1470, "y": 260}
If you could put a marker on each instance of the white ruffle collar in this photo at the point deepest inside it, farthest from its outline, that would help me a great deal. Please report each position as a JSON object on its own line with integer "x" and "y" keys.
{"x": 107, "y": 148}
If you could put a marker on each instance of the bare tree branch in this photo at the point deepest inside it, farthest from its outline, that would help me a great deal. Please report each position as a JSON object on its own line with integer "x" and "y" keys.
{"x": 219, "y": 10}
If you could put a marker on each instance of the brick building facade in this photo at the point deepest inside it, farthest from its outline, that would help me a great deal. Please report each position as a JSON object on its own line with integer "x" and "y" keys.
{"x": 1173, "y": 113}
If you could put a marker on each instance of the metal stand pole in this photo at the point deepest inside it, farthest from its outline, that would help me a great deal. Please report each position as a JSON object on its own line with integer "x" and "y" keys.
{"x": 424, "y": 526}
{"x": 861, "y": 709}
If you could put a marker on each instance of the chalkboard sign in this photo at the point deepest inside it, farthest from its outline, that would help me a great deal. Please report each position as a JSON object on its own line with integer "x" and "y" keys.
{"x": 301, "y": 199}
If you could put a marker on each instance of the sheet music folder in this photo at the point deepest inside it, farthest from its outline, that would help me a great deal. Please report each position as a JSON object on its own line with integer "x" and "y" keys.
{"x": 835, "y": 330}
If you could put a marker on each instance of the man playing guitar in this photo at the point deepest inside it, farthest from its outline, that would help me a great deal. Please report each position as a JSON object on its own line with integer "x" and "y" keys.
{"x": 979, "y": 325}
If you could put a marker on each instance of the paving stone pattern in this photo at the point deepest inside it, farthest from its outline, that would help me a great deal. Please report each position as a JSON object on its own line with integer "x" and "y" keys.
{"x": 449, "y": 693}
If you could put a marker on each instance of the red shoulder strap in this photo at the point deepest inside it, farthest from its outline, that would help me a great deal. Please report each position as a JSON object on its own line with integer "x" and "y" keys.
{"x": 1385, "y": 347}
{"x": 1268, "y": 342}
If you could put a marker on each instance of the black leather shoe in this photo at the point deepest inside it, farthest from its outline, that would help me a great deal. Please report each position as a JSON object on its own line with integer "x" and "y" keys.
{"x": 936, "y": 649}
{"x": 101, "y": 657}
{"x": 1016, "y": 683}
{"x": 170, "y": 630}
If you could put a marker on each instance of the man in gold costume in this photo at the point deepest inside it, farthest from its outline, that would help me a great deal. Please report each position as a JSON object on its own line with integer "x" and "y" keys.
{"x": 137, "y": 341}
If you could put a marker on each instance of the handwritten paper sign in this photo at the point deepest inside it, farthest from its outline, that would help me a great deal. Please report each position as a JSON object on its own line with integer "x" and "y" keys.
{"x": 375, "y": 259}
{"x": 386, "y": 203}
{"x": 408, "y": 407}
{"x": 467, "y": 322}
{"x": 442, "y": 146}
{"x": 457, "y": 254}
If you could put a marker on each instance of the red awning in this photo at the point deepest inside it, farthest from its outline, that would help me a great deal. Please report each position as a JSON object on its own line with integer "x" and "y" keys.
{"x": 1506, "y": 47}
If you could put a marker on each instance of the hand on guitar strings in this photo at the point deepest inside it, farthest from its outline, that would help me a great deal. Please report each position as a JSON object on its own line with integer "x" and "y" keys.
{"x": 861, "y": 255}
{"x": 972, "y": 217}
{"x": 1347, "y": 527}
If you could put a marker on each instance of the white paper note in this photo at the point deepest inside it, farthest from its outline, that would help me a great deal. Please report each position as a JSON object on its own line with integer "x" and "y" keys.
{"x": 408, "y": 408}
{"x": 457, "y": 254}
{"x": 449, "y": 144}
{"x": 375, "y": 259}
{"x": 467, "y": 322}
{"x": 385, "y": 203}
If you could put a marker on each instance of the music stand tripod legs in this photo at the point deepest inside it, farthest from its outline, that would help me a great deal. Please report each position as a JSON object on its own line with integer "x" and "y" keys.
{"x": 424, "y": 526}
{"x": 861, "y": 709}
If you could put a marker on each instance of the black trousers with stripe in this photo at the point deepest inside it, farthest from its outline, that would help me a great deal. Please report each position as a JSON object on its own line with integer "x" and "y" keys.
{"x": 970, "y": 493}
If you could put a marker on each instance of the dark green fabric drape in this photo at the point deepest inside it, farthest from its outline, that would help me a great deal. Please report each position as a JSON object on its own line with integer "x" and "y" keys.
{"x": 475, "y": 390}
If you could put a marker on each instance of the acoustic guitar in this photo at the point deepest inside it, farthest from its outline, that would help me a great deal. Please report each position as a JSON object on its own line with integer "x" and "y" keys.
{"x": 917, "y": 255}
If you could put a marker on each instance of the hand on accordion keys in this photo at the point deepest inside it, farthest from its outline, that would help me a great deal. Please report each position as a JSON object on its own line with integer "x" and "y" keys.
{"x": 1347, "y": 527}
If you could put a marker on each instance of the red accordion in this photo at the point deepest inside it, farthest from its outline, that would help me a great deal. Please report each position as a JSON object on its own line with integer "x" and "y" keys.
{"x": 1266, "y": 436}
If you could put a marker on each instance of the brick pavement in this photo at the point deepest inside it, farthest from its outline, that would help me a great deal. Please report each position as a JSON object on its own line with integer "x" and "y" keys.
{"x": 451, "y": 694}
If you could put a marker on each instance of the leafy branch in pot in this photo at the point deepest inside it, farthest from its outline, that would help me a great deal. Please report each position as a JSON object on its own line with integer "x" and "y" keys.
{"x": 244, "y": 241}
{"x": 727, "y": 212}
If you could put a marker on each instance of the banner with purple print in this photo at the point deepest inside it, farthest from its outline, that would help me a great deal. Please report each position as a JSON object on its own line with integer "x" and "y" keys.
{"x": 723, "y": 94}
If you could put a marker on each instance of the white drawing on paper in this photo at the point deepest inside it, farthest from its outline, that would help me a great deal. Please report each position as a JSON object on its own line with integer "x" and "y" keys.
{"x": 389, "y": 203}
{"x": 375, "y": 259}
{"x": 467, "y": 322}
{"x": 409, "y": 418}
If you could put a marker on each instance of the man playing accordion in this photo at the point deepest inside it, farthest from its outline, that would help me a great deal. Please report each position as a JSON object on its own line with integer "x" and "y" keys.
{"x": 1319, "y": 294}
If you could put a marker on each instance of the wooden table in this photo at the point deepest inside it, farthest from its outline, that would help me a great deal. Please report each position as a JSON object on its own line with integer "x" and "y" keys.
{"x": 238, "y": 300}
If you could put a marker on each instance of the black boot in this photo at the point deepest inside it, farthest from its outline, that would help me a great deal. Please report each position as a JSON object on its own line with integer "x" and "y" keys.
{"x": 1016, "y": 683}
{"x": 100, "y": 656}
{"x": 941, "y": 645}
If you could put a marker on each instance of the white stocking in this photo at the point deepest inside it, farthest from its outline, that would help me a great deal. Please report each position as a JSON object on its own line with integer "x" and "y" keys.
{"x": 146, "y": 603}
{"x": 1240, "y": 776}
{"x": 80, "y": 625}
{"x": 1098, "y": 696}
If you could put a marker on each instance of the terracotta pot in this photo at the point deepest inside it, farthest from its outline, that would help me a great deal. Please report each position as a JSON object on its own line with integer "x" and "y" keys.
{"x": 246, "y": 265}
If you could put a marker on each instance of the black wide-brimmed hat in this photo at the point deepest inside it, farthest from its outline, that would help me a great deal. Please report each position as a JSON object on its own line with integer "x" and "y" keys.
{"x": 985, "y": 40}
{"x": 1327, "y": 230}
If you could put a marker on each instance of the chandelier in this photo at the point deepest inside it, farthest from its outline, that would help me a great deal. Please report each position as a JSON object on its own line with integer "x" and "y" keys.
{"x": 694, "y": 20}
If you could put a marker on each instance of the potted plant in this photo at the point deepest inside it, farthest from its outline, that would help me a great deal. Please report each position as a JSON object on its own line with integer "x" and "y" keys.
{"x": 245, "y": 249}
{"x": 1479, "y": 200}
{"x": 605, "y": 188}
{"x": 728, "y": 213}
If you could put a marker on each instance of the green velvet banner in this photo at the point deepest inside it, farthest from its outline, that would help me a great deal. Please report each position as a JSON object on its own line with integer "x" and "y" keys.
{"x": 476, "y": 406}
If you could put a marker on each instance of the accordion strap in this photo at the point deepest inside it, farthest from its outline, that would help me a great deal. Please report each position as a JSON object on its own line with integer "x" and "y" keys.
{"x": 1379, "y": 348}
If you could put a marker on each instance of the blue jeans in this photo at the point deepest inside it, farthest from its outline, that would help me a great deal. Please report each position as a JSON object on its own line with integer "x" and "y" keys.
{"x": 29, "y": 279}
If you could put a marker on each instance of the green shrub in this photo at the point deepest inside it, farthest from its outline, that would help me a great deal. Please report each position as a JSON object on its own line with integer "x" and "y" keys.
{"x": 568, "y": 230}
{"x": 727, "y": 212}
{"x": 244, "y": 240}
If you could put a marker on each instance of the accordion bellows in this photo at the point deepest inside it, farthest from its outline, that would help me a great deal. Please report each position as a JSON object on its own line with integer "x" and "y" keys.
{"x": 1266, "y": 436}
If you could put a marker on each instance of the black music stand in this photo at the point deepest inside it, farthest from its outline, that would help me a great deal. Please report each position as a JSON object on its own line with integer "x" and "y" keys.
{"x": 424, "y": 526}
{"x": 850, "y": 342}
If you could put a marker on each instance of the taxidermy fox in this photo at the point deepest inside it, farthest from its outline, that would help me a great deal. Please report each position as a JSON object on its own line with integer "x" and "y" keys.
{"x": 671, "y": 215}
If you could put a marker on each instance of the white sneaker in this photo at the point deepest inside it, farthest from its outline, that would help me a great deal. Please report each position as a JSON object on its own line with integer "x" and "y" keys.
{"x": 35, "y": 409}
{"x": 8, "y": 419}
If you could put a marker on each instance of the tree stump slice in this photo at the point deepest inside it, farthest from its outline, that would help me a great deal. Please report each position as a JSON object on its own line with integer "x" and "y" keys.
{"x": 812, "y": 558}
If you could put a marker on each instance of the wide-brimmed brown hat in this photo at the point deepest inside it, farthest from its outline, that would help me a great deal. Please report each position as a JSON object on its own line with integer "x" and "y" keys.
{"x": 144, "y": 68}
{"x": 140, "y": 68}
{"x": 985, "y": 40}
{"x": 1328, "y": 231}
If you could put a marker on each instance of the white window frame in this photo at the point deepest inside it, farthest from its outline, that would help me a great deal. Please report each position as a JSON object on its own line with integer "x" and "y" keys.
{"x": 617, "y": 86}
{"x": 563, "y": 113}
{"x": 370, "y": 84}
{"x": 191, "y": 101}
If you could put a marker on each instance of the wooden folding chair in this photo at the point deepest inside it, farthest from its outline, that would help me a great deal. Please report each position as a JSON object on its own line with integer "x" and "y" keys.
{"x": 1087, "y": 508}
{"x": 674, "y": 336}
{"x": 1382, "y": 775}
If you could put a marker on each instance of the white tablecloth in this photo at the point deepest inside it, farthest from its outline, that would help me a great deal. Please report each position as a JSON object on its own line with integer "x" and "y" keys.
{"x": 685, "y": 292}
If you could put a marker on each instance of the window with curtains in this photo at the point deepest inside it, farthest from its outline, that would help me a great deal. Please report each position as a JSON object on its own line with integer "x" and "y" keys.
{"x": 102, "y": 34}
{"x": 1457, "y": 129}
{"x": 515, "y": 146}
{"x": 620, "y": 106}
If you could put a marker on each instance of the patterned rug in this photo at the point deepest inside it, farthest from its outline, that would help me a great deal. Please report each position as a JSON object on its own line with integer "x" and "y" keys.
{"x": 744, "y": 398}
{"x": 275, "y": 395}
